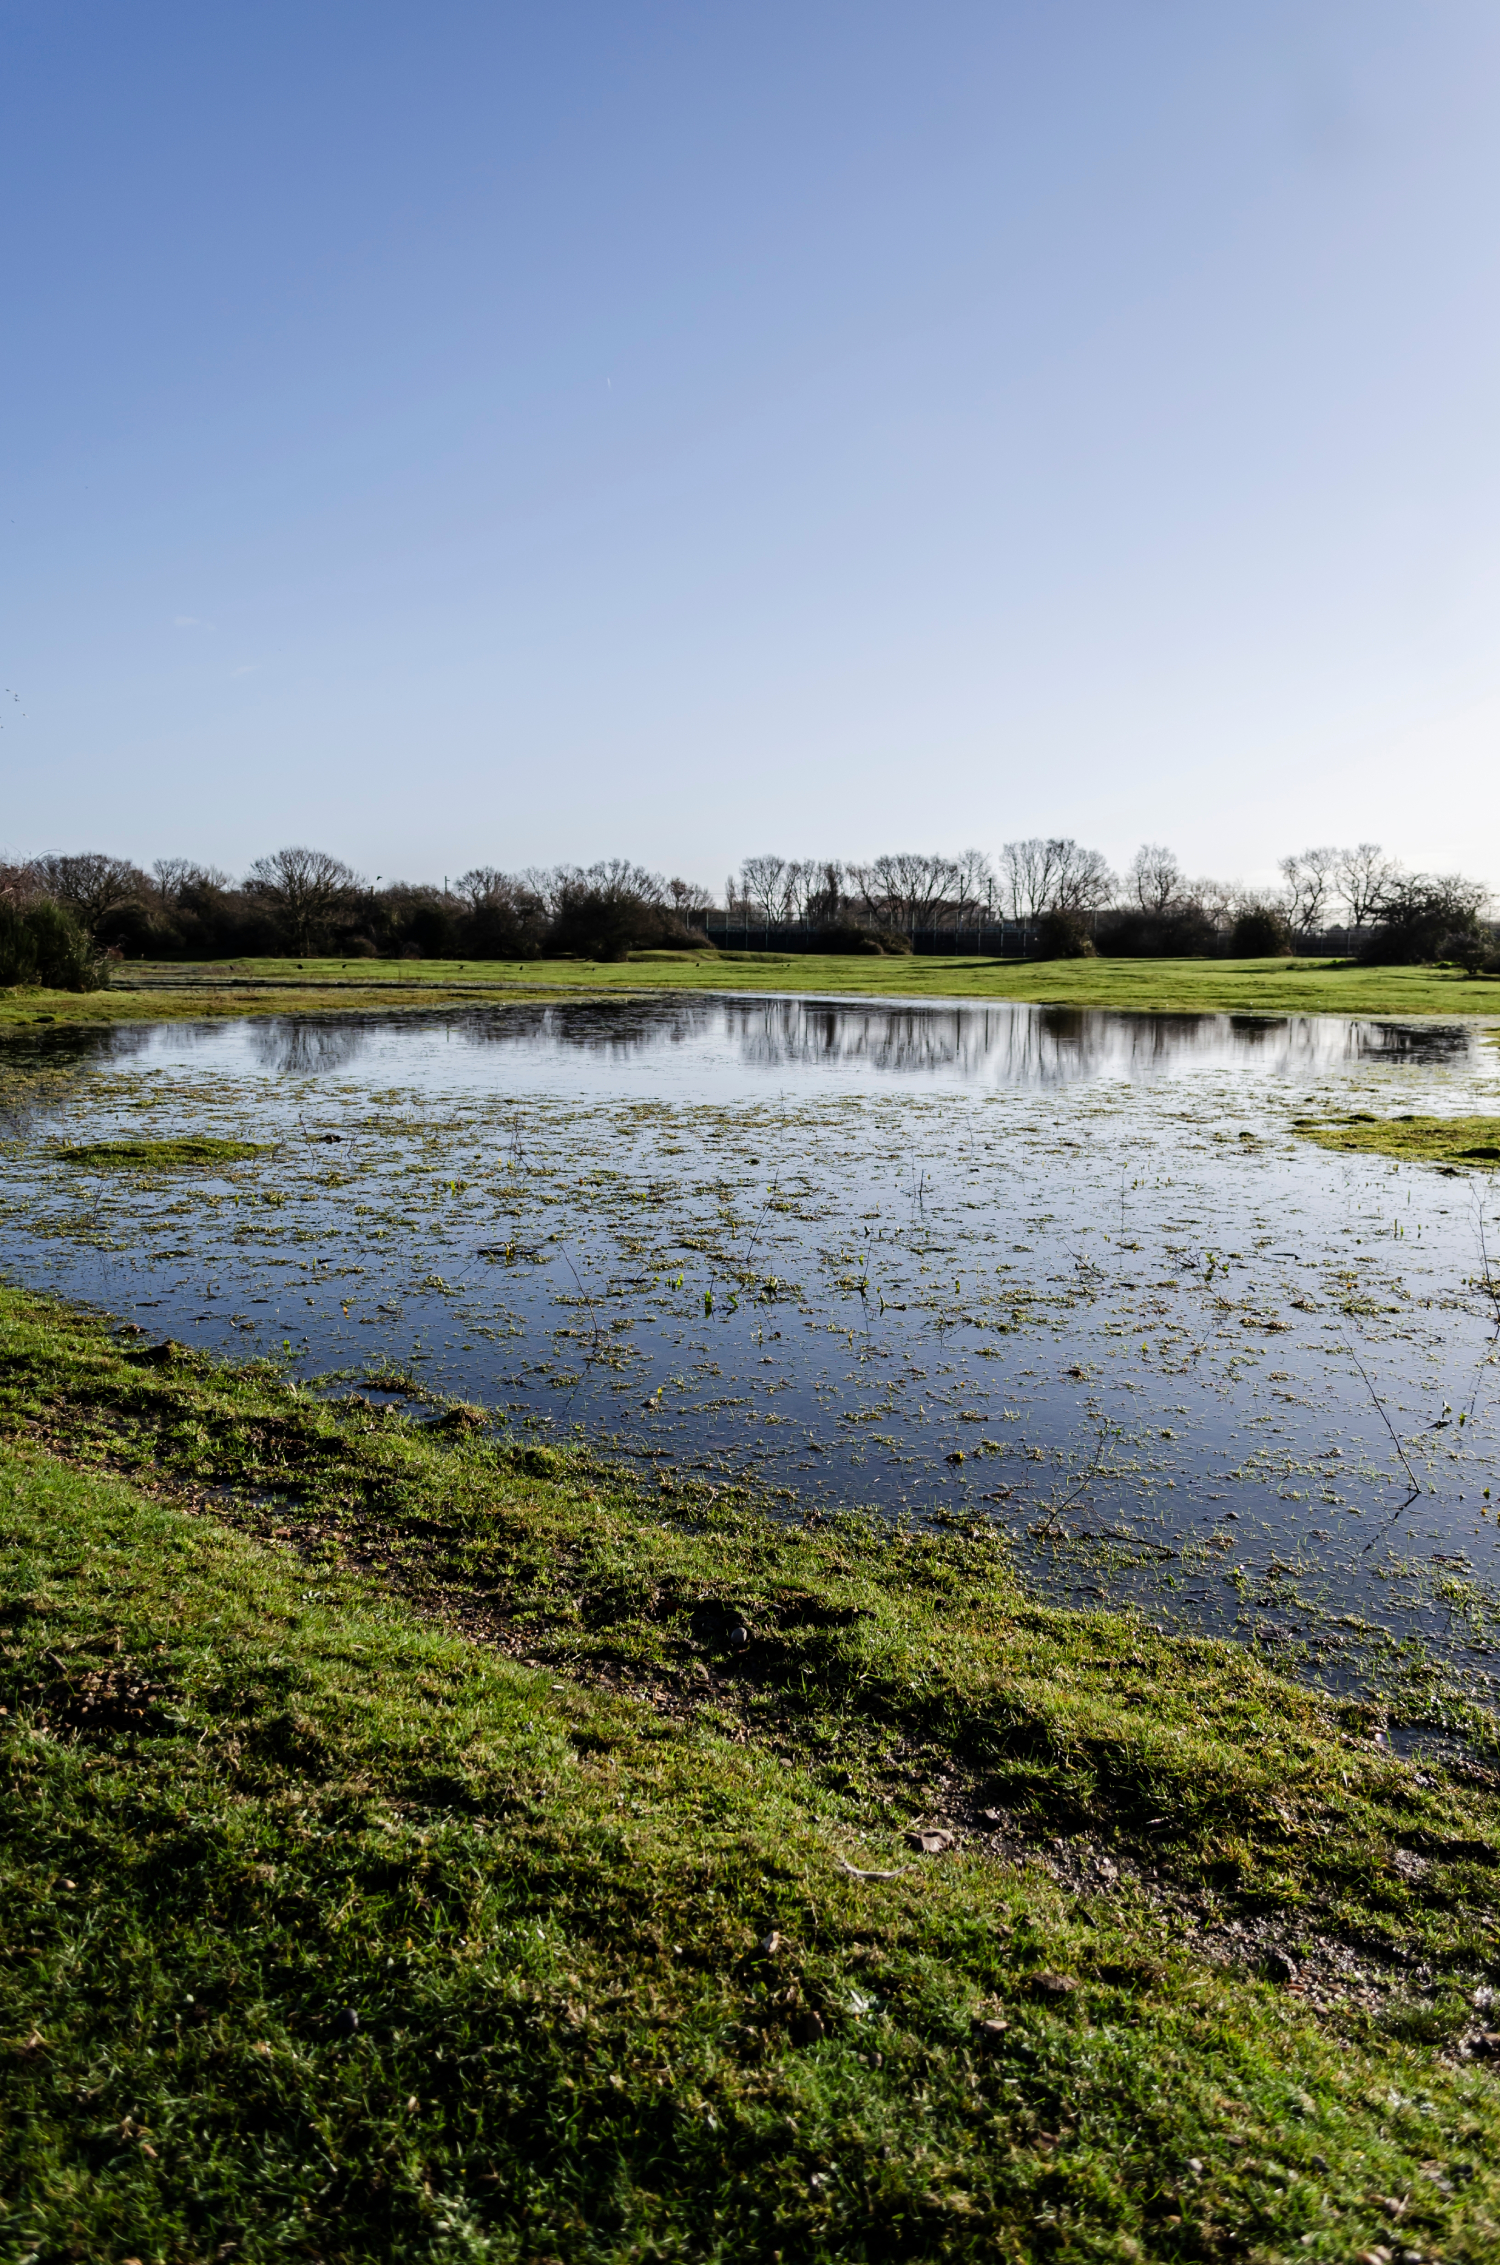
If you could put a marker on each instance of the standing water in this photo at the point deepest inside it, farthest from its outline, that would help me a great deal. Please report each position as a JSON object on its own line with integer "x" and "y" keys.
{"x": 1073, "y": 1272}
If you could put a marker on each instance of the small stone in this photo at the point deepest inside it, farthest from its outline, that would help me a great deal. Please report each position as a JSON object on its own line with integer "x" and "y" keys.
{"x": 346, "y": 2023}
{"x": 1280, "y": 1968}
{"x": 930, "y": 1843}
{"x": 1054, "y": 1985}
{"x": 988, "y": 2033}
{"x": 992, "y": 1817}
{"x": 771, "y": 1943}
{"x": 809, "y": 2028}
{"x": 738, "y": 1638}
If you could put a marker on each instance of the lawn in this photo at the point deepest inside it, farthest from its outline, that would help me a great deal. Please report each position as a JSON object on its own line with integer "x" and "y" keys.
{"x": 417, "y": 1844}
{"x": 165, "y": 990}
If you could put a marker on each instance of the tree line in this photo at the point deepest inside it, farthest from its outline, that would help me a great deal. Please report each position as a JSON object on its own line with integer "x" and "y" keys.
{"x": 1066, "y": 899}
{"x": 1049, "y": 895}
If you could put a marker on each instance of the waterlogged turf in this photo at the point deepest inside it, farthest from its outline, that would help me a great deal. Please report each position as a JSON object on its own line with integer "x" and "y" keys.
{"x": 732, "y": 1889}
{"x": 1081, "y": 1276}
{"x": 1454, "y": 1141}
{"x": 159, "y": 1155}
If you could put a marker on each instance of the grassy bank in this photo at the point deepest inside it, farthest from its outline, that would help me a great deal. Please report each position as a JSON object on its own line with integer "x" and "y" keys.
{"x": 421, "y": 1845}
{"x": 1259, "y": 987}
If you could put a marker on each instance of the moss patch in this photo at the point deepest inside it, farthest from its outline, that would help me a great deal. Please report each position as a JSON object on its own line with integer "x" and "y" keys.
{"x": 161, "y": 1155}
{"x": 1473, "y": 1142}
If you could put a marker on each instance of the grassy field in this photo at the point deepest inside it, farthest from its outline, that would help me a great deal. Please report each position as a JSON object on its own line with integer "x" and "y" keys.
{"x": 1259, "y": 987}
{"x": 418, "y": 1845}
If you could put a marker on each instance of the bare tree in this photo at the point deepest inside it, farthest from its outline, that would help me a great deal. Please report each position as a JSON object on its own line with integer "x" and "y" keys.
{"x": 305, "y": 888}
{"x": 688, "y": 900}
{"x": 1155, "y": 879}
{"x": 1054, "y": 875}
{"x": 18, "y": 882}
{"x": 763, "y": 887}
{"x": 973, "y": 884}
{"x": 905, "y": 889}
{"x": 174, "y": 878}
{"x": 1364, "y": 876}
{"x": 1310, "y": 882}
{"x": 823, "y": 891}
{"x": 90, "y": 884}
{"x": 1026, "y": 875}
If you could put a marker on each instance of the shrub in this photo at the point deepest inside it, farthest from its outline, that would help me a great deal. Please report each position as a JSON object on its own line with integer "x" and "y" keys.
{"x": 1425, "y": 917}
{"x": 43, "y": 943}
{"x": 853, "y": 939}
{"x": 1063, "y": 935}
{"x": 1181, "y": 932}
{"x": 1472, "y": 950}
{"x": 1261, "y": 931}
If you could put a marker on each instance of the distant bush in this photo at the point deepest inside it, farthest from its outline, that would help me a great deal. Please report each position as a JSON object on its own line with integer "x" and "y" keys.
{"x": 1472, "y": 950}
{"x": 1261, "y": 931}
{"x": 852, "y": 939}
{"x": 1063, "y": 935}
{"x": 1179, "y": 932}
{"x": 44, "y": 943}
{"x": 1426, "y": 917}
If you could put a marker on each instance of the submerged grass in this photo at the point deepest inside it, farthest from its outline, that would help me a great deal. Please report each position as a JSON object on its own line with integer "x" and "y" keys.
{"x": 1452, "y": 1141}
{"x": 421, "y": 1845}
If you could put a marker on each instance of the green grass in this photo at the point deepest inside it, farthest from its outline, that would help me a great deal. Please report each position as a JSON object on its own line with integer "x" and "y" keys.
{"x": 1206, "y": 986}
{"x": 160, "y": 1155}
{"x": 1448, "y": 1141}
{"x": 420, "y": 1845}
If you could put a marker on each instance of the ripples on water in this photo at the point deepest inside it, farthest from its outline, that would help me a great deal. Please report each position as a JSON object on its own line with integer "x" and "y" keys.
{"x": 1071, "y": 1270}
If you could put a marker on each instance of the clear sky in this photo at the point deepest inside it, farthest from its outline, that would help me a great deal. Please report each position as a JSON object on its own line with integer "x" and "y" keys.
{"x": 458, "y": 433}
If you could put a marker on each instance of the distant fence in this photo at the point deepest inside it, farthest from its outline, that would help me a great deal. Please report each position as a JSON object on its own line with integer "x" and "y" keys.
{"x": 990, "y": 939}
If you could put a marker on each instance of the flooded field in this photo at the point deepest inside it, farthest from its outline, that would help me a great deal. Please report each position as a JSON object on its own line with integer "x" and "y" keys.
{"x": 1073, "y": 1272}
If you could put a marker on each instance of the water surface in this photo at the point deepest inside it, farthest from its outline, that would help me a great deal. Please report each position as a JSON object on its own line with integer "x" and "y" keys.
{"x": 1070, "y": 1270}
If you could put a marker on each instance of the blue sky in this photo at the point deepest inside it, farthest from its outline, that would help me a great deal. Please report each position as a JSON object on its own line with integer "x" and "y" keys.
{"x": 476, "y": 434}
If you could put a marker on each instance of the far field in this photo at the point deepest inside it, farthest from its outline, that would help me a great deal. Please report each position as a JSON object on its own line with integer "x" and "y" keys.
{"x": 151, "y": 990}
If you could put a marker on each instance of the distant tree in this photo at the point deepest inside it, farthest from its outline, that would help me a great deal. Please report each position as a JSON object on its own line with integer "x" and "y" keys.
{"x": 823, "y": 892}
{"x": 506, "y": 914}
{"x": 973, "y": 885}
{"x": 905, "y": 890}
{"x": 1425, "y": 916}
{"x": 1154, "y": 881}
{"x": 763, "y": 887}
{"x": 1311, "y": 881}
{"x": 689, "y": 901}
{"x": 90, "y": 885}
{"x": 1055, "y": 874}
{"x": 608, "y": 910}
{"x": 18, "y": 881}
{"x": 176, "y": 879}
{"x": 1262, "y": 928}
{"x": 305, "y": 890}
{"x": 1364, "y": 874}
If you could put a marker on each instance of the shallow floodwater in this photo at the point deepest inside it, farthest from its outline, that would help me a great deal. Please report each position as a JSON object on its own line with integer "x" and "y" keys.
{"x": 1070, "y": 1271}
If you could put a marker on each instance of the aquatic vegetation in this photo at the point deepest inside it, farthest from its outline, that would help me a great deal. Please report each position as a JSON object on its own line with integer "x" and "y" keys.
{"x": 1469, "y": 1141}
{"x": 160, "y": 1155}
